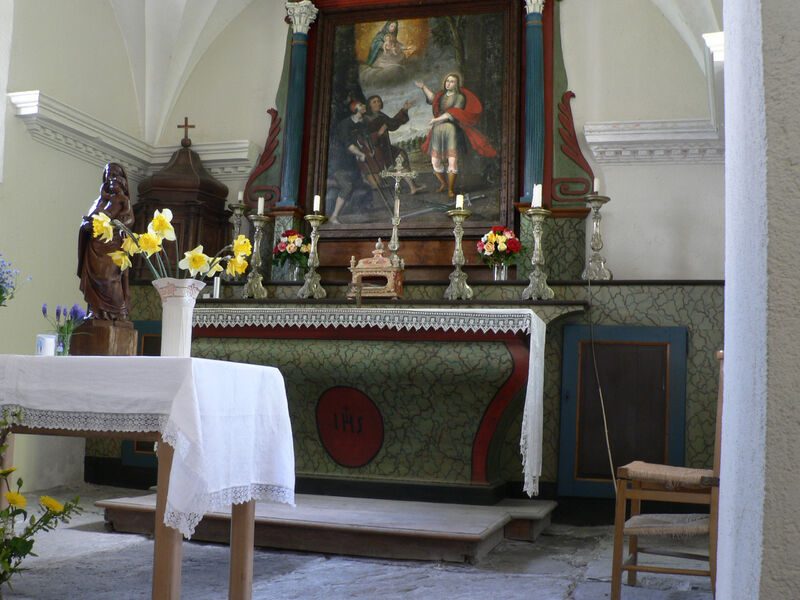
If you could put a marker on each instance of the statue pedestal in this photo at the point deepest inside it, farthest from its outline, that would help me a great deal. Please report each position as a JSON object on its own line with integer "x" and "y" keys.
{"x": 98, "y": 337}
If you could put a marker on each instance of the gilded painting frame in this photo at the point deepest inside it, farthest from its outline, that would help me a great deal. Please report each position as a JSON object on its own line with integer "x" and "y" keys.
{"x": 359, "y": 56}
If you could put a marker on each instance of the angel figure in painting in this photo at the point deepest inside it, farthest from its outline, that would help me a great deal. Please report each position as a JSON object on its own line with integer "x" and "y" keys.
{"x": 456, "y": 112}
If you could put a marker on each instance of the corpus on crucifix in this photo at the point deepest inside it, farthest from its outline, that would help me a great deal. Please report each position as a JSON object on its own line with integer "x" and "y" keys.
{"x": 398, "y": 173}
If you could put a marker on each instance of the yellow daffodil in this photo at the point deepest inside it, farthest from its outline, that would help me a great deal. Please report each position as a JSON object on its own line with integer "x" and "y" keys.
{"x": 242, "y": 247}
{"x": 149, "y": 244}
{"x": 51, "y": 504}
{"x": 490, "y": 237}
{"x": 161, "y": 225}
{"x": 195, "y": 261}
{"x": 501, "y": 246}
{"x": 500, "y": 239}
{"x": 102, "y": 228}
{"x": 236, "y": 266}
{"x": 129, "y": 245}
{"x": 121, "y": 259}
{"x": 214, "y": 267}
{"x": 16, "y": 499}
{"x": 7, "y": 472}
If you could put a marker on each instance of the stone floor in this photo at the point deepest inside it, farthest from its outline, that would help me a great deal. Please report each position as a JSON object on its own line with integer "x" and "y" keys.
{"x": 83, "y": 561}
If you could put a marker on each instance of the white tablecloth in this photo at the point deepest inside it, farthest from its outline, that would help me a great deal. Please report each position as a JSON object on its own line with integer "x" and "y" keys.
{"x": 228, "y": 422}
{"x": 519, "y": 320}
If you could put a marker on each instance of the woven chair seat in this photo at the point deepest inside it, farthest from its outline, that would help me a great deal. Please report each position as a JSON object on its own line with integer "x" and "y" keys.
{"x": 667, "y": 474}
{"x": 678, "y": 525}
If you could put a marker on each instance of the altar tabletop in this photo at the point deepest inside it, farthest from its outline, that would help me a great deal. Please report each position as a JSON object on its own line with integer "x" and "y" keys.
{"x": 227, "y": 422}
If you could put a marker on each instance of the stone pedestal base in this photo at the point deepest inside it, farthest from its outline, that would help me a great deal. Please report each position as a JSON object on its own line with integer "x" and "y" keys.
{"x": 98, "y": 337}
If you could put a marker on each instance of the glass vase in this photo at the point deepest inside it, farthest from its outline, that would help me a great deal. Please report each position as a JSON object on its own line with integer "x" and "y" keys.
{"x": 178, "y": 298}
{"x": 500, "y": 272}
{"x": 295, "y": 272}
{"x": 62, "y": 344}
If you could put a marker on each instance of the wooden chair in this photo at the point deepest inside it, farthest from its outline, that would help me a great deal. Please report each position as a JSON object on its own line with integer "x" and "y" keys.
{"x": 640, "y": 481}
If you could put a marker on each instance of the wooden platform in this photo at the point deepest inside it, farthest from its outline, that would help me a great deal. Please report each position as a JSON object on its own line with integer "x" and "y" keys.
{"x": 362, "y": 526}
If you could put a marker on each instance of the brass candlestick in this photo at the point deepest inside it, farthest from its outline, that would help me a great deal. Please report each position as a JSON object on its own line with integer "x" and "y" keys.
{"x": 596, "y": 269}
{"x": 537, "y": 288}
{"x": 254, "y": 287}
{"x": 237, "y": 209}
{"x": 312, "y": 286}
{"x": 458, "y": 287}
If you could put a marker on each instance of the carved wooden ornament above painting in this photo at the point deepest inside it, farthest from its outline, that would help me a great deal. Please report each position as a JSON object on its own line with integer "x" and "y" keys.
{"x": 447, "y": 88}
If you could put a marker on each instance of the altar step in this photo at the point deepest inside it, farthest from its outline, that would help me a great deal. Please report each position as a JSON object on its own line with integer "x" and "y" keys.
{"x": 362, "y": 526}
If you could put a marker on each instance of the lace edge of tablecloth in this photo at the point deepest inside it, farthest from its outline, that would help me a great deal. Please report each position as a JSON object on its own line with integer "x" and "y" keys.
{"x": 222, "y": 500}
{"x": 85, "y": 421}
{"x": 475, "y": 321}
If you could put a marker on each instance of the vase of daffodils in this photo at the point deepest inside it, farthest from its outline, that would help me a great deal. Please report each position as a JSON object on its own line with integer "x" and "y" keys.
{"x": 178, "y": 285}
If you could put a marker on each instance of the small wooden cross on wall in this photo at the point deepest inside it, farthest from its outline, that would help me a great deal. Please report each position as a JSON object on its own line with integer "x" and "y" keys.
{"x": 186, "y": 127}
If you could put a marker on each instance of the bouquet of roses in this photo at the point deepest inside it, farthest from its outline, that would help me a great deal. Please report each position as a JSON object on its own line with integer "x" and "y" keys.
{"x": 290, "y": 247}
{"x": 499, "y": 246}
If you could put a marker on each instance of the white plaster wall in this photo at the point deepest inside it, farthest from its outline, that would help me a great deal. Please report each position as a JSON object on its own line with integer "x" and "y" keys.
{"x": 663, "y": 221}
{"x": 73, "y": 52}
{"x": 744, "y": 419}
{"x": 625, "y": 62}
{"x": 760, "y": 502}
{"x": 235, "y": 82}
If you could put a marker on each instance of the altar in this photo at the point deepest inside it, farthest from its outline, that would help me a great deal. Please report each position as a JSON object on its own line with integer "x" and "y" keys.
{"x": 394, "y": 400}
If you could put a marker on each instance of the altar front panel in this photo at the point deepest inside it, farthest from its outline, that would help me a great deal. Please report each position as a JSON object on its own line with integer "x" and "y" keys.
{"x": 423, "y": 407}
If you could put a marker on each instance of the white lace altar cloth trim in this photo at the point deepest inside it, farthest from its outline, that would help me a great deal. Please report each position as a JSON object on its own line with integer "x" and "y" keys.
{"x": 228, "y": 422}
{"x": 414, "y": 319}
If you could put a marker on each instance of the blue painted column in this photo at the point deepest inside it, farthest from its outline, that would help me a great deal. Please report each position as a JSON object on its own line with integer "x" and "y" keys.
{"x": 534, "y": 98}
{"x": 301, "y": 14}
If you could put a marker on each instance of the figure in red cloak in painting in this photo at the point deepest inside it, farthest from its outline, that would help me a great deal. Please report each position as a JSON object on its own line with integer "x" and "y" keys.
{"x": 456, "y": 111}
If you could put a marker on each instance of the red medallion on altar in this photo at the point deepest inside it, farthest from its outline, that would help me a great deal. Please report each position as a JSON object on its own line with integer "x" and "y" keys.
{"x": 350, "y": 426}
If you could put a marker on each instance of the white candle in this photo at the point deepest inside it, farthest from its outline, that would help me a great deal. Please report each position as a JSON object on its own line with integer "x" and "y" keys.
{"x": 537, "y": 196}
{"x": 596, "y": 188}
{"x": 240, "y": 197}
{"x": 316, "y": 203}
{"x": 460, "y": 201}
{"x": 261, "y": 205}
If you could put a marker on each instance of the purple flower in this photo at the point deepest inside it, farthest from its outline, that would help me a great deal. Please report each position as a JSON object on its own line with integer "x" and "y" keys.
{"x": 58, "y": 313}
{"x": 44, "y": 309}
{"x": 77, "y": 313}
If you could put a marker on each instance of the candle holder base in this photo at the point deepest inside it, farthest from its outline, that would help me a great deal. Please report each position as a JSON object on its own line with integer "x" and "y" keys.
{"x": 254, "y": 287}
{"x": 458, "y": 288}
{"x": 537, "y": 288}
{"x": 312, "y": 288}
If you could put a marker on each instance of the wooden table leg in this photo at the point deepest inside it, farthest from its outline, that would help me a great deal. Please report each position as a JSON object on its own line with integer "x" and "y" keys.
{"x": 6, "y": 462}
{"x": 168, "y": 541}
{"x": 240, "y": 584}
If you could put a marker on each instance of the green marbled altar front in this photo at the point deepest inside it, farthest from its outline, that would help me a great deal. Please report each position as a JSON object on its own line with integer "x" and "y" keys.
{"x": 431, "y": 396}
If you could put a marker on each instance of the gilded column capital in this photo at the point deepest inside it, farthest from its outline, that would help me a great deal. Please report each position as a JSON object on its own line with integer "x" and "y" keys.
{"x": 534, "y": 6}
{"x": 302, "y": 15}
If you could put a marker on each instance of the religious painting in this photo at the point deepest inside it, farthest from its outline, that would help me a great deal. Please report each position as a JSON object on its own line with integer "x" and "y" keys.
{"x": 417, "y": 103}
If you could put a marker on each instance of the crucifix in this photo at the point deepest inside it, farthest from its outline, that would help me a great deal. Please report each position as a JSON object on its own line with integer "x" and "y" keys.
{"x": 398, "y": 173}
{"x": 186, "y": 127}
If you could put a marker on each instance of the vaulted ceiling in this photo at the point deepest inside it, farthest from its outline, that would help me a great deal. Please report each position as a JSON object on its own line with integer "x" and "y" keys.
{"x": 165, "y": 39}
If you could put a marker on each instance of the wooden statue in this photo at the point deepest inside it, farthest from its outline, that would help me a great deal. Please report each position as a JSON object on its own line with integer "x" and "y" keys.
{"x": 104, "y": 285}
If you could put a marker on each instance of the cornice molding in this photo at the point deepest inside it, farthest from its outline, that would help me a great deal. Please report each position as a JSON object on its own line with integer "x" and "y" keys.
{"x": 674, "y": 141}
{"x": 70, "y": 130}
